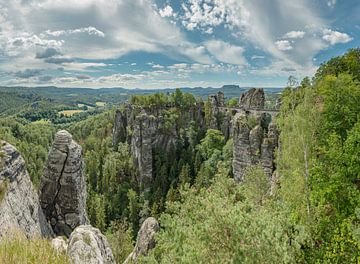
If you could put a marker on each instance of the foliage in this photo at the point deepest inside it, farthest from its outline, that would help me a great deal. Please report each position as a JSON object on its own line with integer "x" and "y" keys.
{"x": 33, "y": 141}
{"x": 216, "y": 225}
{"x": 119, "y": 236}
{"x": 16, "y": 248}
{"x": 233, "y": 102}
{"x": 348, "y": 63}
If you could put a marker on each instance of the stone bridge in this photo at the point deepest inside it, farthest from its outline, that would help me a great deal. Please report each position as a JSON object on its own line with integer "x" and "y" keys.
{"x": 271, "y": 112}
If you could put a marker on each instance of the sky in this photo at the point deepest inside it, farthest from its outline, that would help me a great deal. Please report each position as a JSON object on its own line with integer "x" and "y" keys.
{"x": 168, "y": 44}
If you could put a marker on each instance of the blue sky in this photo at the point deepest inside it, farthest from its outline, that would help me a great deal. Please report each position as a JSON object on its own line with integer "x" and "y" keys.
{"x": 163, "y": 43}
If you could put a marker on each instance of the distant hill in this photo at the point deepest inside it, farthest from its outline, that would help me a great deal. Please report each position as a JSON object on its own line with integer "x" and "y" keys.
{"x": 117, "y": 94}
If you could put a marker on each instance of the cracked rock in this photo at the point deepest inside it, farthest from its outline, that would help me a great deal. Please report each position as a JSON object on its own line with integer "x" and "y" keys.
{"x": 63, "y": 186}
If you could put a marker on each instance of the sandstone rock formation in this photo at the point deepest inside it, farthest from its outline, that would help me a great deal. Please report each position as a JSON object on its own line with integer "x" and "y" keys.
{"x": 148, "y": 130}
{"x": 59, "y": 244}
{"x": 88, "y": 245}
{"x": 253, "y": 98}
{"x": 216, "y": 101}
{"x": 19, "y": 203}
{"x": 145, "y": 240}
{"x": 255, "y": 136}
{"x": 253, "y": 145}
{"x": 63, "y": 186}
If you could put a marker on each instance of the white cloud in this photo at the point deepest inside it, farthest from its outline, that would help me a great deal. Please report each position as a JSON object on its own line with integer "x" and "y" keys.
{"x": 256, "y": 57}
{"x": 87, "y": 30}
{"x": 157, "y": 66}
{"x": 283, "y": 45}
{"x": 294, "y": 34}
{"x": 226, "y": 52}
{"x": 167, "y": 11}
{"x": 334, "y": 37}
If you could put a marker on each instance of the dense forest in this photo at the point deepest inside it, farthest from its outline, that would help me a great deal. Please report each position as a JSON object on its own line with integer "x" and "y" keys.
{"x": 311, "y": 216}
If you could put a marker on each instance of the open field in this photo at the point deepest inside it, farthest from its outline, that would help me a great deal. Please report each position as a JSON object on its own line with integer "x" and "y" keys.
{"x": 70, "y": 112}
{"x": 100, "y": 104}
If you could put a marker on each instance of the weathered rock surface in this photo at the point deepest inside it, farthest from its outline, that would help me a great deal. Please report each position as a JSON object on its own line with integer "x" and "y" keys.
{"x": 19, "y": 203}
{"x": 148, "y": 130}
{"x": 142, "y": 148}
{"x": 216, "y": 101}
{"x": 59, "y": 244}
{"x": 145, "y": 240}
{"x": 63, "y": 186}
{"x": 253, "y": 99}
{"x": 88, "y": 245}
{"x": 253, "y": 146}
{"x": 268, "y": 147}
{"x": 242, "y": 150}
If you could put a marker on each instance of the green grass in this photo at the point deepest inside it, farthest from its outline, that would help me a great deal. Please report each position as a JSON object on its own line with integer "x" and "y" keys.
{"x": 17, "y": 248}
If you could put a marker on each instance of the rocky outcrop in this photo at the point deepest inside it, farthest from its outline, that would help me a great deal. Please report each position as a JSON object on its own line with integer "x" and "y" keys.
{"x": 216, "y": 101}
{"x": 19, "y": 203}
{"x": 88, "y": 245}
{"x": 119, "y": 130}
{"x": 63, "y": 186}
{"x": 268, "y": 147}
{"x": 241, "y": 150}
{"x": 152, "y": 129}
{"x": 255, "y": 142}
{"x": 145, "y": 240}
{"x": 142, "y": 148}
{"x": 252, "y": 99}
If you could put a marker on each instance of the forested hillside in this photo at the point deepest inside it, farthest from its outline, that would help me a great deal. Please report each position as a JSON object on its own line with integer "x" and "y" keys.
{"x": 174, "y": 156}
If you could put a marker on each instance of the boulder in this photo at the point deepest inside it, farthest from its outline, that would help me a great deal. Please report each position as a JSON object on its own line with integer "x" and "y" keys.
{"x": 88, "y": 245}
{"x": 19, "y": 203}
{"x": 145, "y": 240}
{"x": 63, "y": 186}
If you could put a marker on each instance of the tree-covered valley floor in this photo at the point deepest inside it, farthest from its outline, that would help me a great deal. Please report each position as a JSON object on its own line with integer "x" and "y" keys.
{"x": 312, "y": 216}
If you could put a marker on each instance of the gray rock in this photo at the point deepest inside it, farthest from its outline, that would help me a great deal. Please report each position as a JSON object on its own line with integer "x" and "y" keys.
{"x": 253, "y": 99}
{"x": 268, "y": 147}
{"x": 63, "y": 185}
{"x": 145, "y": 240}
{"x": 253, "y": 146}
{"x": 59, "y": 244}
{"x": 19, "y": 203}
{"x": 88, "y": 245}
{"x": 142, "y": 148}
{"x": 119, "y": 130}
{"x": 256, "y": 138}
{"x": 241, "y": 151}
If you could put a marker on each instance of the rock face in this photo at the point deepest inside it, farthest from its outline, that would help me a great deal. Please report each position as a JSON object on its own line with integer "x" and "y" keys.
{"x": 253, "y": 145}
{"x": 148, "y": 130}
{"x": 145, "y": 240}
{"x": 19, "y": 203}
{"x": 63, "y": 186}
{"x": 88, "y": 245}
{"x": 253, "y": 99}
{"x": 142, "y": 146}
{"x": 216, "y": 101}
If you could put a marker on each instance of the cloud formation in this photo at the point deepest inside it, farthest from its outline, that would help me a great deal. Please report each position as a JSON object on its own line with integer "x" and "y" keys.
{"x": 84, "y": 42}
